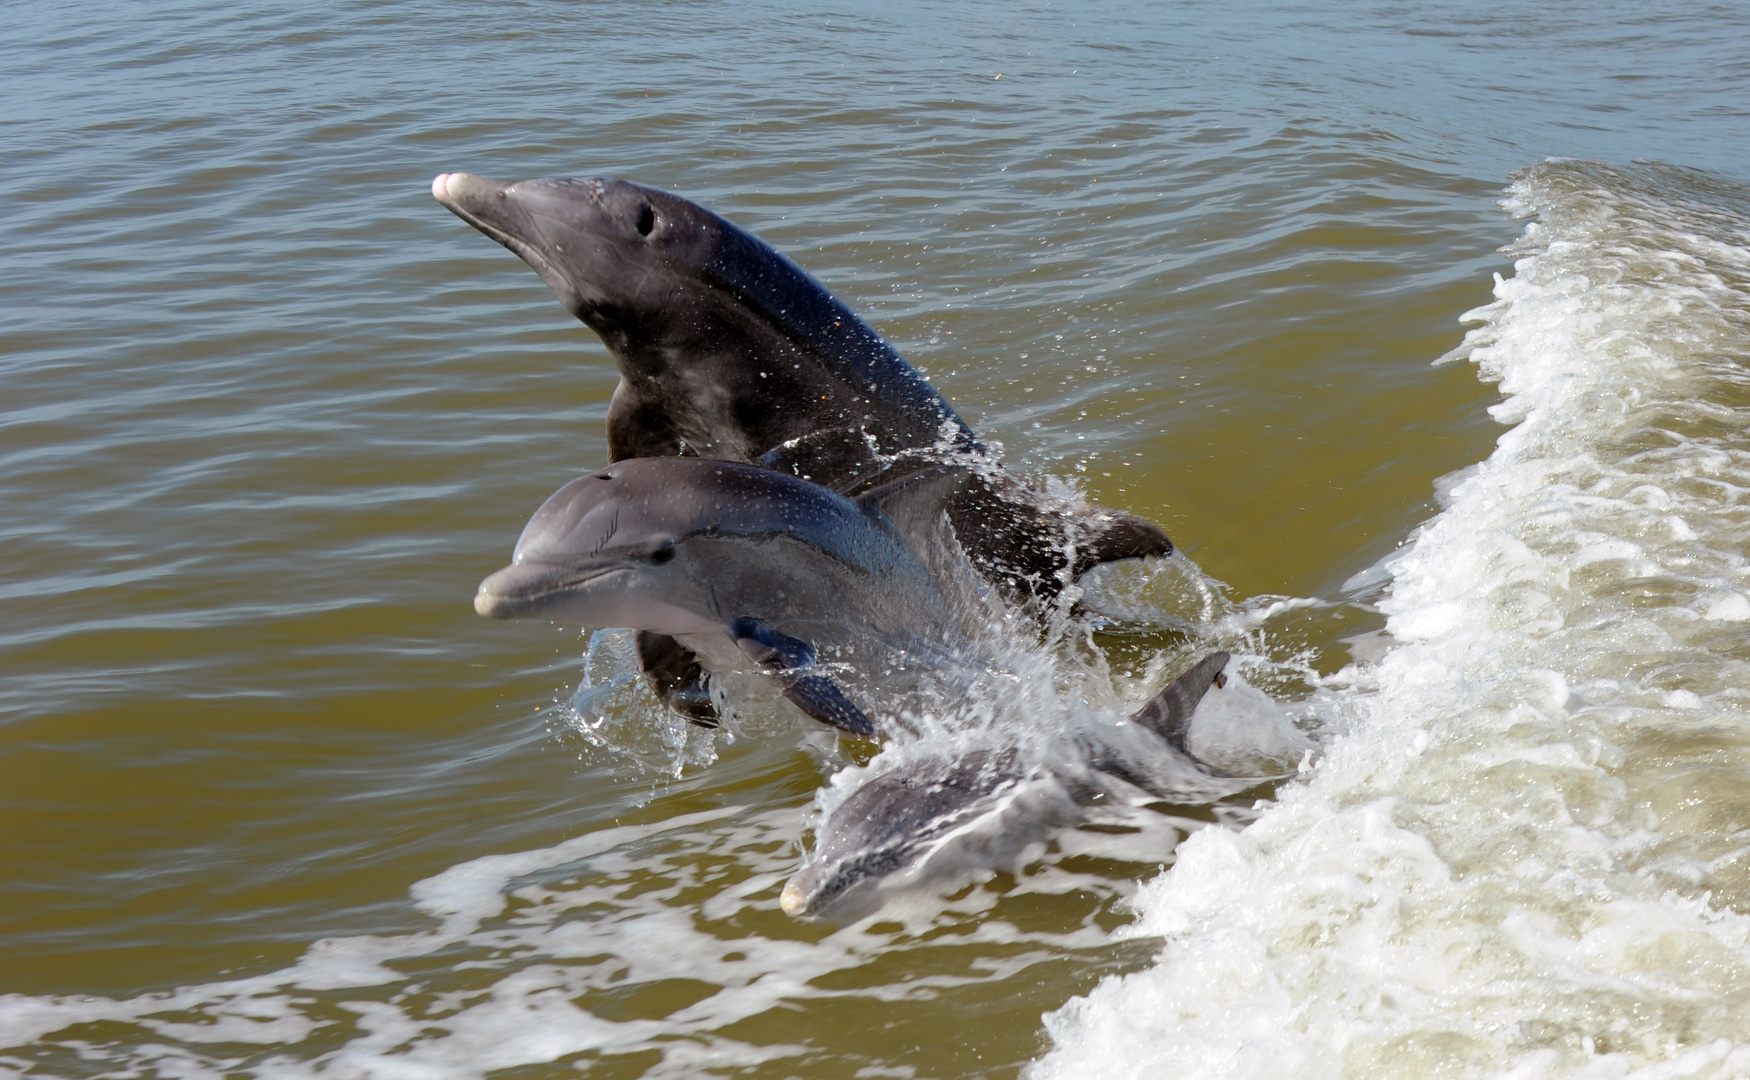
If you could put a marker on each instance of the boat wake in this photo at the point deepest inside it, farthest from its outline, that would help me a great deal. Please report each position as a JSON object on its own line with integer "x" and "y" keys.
{"x": 1527, "y": 855}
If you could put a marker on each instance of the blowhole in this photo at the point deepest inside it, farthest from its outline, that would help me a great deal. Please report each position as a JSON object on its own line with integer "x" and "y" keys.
{"x": 646, "y": 220}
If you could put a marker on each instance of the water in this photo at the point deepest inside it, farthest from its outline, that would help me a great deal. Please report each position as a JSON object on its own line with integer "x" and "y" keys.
{"x": 274, "y": 801}
{"x": 1527, "y": 857}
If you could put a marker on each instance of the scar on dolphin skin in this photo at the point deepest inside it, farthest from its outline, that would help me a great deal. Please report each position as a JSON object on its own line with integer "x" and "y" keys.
{"x": 727, "y": 349}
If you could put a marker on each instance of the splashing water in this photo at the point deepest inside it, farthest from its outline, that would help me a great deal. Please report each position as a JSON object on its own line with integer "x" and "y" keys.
{"x": 1528, "y": 855}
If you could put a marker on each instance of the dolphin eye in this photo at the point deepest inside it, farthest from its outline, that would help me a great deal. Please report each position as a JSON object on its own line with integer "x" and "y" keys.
{"x": 646, "y": 220}
{"x": 663, "y": 554}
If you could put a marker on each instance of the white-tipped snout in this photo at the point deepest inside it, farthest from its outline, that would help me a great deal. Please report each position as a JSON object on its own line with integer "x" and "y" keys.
{"x": 488, "y": 604}
{"x": 458, "y": 189}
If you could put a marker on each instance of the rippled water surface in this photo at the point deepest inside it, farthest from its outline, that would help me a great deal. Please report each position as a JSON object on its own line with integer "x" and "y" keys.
{"x": 274, "y": 801}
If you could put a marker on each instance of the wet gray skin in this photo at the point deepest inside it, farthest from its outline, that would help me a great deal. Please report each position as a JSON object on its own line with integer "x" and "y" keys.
{"x": 748, "y": 568}
{"x": 727, "y": 349}
{"x": 978, "y": 810}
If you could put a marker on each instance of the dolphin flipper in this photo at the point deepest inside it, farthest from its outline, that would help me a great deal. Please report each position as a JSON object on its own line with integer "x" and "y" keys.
{"x": 821, "y": 699}
{"x": 768, "y": 648}
{"x": 790, "y": 659}
{"x": 1021, "y": 538}
{"x": 674, "y": 672}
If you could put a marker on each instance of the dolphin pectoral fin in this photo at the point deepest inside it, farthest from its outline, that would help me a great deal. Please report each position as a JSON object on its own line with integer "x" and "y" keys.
{"x": 821, "y": 699}
{"x": 1168, "y": 713}
{"x": 788, "y": 659}
{"x": 674, "y": 672}
{"x": 1019, "y": 536}
{"x": 768, "y": 648}
{"x": 1105, "y": 535}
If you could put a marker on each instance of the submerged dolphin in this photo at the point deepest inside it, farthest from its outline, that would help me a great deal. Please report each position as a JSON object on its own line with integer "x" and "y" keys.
{"x": 980, "y": 809}
{"x": 729, "y": 350}
{"x": 744, "y": 567}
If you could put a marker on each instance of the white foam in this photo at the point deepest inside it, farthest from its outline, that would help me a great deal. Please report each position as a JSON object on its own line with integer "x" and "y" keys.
{"x": 1507, "y": 867}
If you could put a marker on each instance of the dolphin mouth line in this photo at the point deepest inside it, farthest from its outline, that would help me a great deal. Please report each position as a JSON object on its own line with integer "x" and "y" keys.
{"x": 504, "y": 604}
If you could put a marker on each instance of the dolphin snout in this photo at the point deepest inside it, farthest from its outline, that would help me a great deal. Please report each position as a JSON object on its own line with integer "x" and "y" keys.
{"x": 513, "y": 591}
{"x": 492, "y": 605}
{"x": 466, "y": 194}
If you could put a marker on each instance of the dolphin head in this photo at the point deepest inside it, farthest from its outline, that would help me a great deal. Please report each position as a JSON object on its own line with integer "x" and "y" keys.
{"x": 609, "y": 249}
{"x": 624, "y": 546}
{"x": 725, "y": 343}
{"x": 592, "y": 555}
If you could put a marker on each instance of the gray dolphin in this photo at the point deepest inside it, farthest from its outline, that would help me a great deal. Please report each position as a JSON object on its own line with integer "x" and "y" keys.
{"x": 746, "y": 568}
{"x": 978, "y": 809}
{"x": 729, "y": 350}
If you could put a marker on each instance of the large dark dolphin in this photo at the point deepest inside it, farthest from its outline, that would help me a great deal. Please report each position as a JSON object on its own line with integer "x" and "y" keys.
{"x": 729, "y": 350}
{"x": 726, "y": 348}
{"x": 747, "y": 568}
{"x": 976, "y": 810}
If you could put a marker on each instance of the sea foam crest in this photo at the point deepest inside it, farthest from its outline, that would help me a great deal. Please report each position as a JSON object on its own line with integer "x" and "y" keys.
{"x": 1528, "y": 856}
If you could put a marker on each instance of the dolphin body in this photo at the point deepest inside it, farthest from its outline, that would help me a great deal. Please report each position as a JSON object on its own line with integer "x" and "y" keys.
{"x": 728, "y": 350}
{"x": 749, "y": 569}
{"x": 975, "y": 811}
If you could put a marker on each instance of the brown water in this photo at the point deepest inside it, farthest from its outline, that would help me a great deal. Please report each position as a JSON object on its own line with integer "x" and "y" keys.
{"x": 270, "y": 413}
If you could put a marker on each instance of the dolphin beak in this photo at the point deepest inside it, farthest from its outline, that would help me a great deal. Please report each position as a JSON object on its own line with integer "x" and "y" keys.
{"x": 514, "y": 591}
{"x": 467, "y": 195}
{"x": 793, "y": 900}
{"x": 493, "y": 208}
{"x": 487, "y": 205}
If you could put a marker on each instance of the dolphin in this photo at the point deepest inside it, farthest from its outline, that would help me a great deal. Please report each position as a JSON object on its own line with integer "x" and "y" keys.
{"x": 748, "y": 569}
{"x": 979, "y": 809}
{"x": 728, "y": 350}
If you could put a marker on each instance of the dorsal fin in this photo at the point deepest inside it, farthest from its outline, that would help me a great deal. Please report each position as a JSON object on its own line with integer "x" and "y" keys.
{"x": 1168, "y": 713}
{"x": 916, "y": 502}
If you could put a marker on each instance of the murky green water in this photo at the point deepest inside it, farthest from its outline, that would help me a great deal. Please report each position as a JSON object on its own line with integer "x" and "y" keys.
{"x": 270, "y": 413}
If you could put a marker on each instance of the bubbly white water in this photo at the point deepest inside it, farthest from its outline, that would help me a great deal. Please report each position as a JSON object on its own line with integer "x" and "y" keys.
{"x": 1529, "y": 853}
